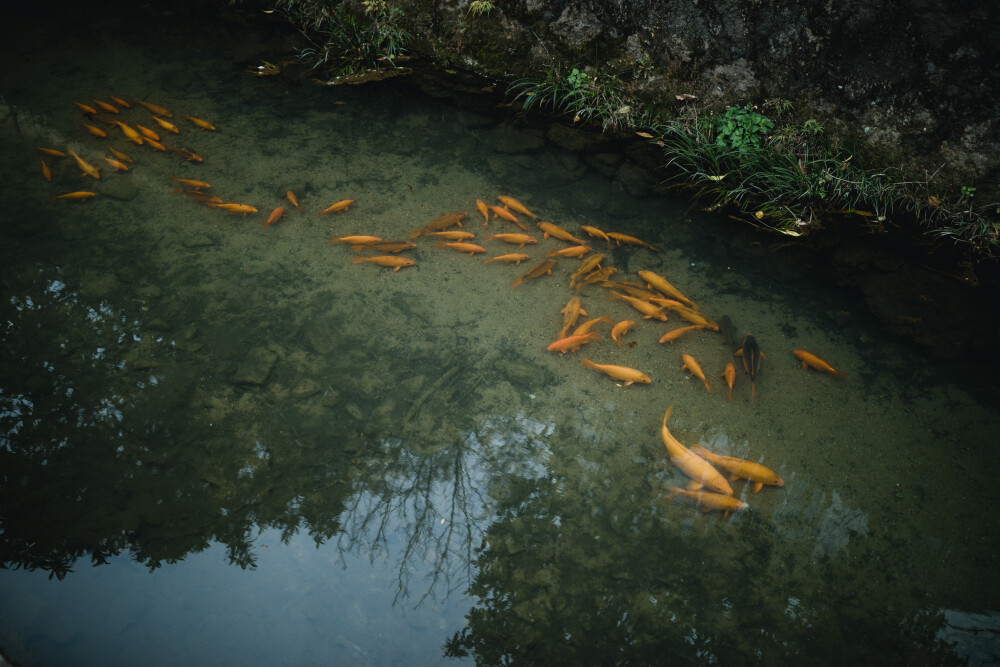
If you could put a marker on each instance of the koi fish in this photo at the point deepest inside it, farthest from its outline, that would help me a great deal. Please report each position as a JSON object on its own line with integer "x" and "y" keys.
{"x": 595, "y": 276}
{"x": 574, "y": 251}
{"x": 46, "y": 172}
{"x": 385, "y": 246}
{"x": 515, "y": 205}
{"x": 481, "y": 207}
{"x": 116, "y": 164}
{"x": 757, "y": 474}
{"x": 514, "y": 257}
{"x": 709, "y": 501}
{"x": 290, "y": 196}
{"x": 729, "y": 372}
{"x": 166, "y": 124}
{"x": 661, "y": 285}
{"x": 87, "y": 109}
{"x": 190, "y": 156}
{"x": 355, "y": 240}
{"x": 620, "y": 330}
{"x": 50, "y": 151}
{"x": 700, "y": 471}
{"x": 590, "y": 324}
{"x": 692, "y": 316}
{"x": 130, "y": 133}
{"x": 585, "y": 267}
{"x": 153, "y": 143}
{"x": 146, "y": 132}
{"x": 571, "y": 313}
{"x": 155, "y": 110}
{"x": 198, "y": 195}
{"x": 622, "y": 373}
{"x": 540, "y": 269}
{"x": 453, "y": 235}
{"x": 457, "y": 246}
{"x": 596, "y": 233}
{"x": 386, "y": 260}
{"x": 75, "y": 196}
{"x": 751, "y": 355}
{"x": 190, "y": 182}
{"x": 120, "y": 102}
{"x": 648, "y": 310}
{"x": 630, "y": 240}
{"x": 692, "y": 366}
{"x": 506, "y": 215}
{"x": 339, "y": 207}
{"x": 671, "y": 336}
{"x": 96, "y": 131}
{"x": 203, "y": 124}
{"x": 811, "y": 360}
{"x": 107, "y": 120}
{"x": 728, "y": 331}
{"x": 573, "y": 343}
{"x": 438, "y": 224}
{"x": 118, "y": 154}
{"x": 517, "y": 239}
{"x": 86, "y": 167}
{"x": 276, "y": 214}
{"x": 110, "y": 108}
{"x": 234, "y": 208}
{"x": 556, "y": 232}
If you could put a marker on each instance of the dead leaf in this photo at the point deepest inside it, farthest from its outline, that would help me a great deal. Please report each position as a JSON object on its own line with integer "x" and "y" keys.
{"x": 933, "y": 201}
{"x": 683, "y": 97}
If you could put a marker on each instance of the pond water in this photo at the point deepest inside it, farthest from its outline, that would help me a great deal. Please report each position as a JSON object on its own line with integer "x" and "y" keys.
{"x": 226, "y": 443}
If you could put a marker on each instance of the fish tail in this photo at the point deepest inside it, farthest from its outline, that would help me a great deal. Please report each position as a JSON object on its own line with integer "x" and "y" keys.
{"x": 587, "y": 363}
{"x": 415, "y": 233}
{"x": 517, "y": 282}
{"x": 840, "y": 374}
{"x": 359, "y": 260}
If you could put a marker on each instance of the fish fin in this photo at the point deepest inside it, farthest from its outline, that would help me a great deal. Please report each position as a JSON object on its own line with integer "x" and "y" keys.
{"x": 805, "y": 366}
{"x": 840, "y": 374}
{"x": 628, "y": 383}
{"x": 693, "y": 485}
{"x": 733, "y": 476}
{"x": 583, "y": 312}
{"x": 757, "y": 486}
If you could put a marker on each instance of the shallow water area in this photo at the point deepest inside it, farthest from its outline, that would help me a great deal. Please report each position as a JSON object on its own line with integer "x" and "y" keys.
{"x": 272, "y": 453}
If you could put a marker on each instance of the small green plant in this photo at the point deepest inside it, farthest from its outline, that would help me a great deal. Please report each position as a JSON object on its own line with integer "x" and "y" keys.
{"x": 742, "y": 128}
{"x": 812, "y": 127}
{"x": 480, "y": 7}
{"x": 577, "y": 79}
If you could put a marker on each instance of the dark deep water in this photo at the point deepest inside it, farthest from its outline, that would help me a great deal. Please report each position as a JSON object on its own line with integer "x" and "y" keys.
{"x": 227, "y": 444}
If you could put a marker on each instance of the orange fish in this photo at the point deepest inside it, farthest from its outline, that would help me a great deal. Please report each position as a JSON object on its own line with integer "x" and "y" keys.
{"x": 689, "y": 314}
{"x": 155, "y": 110}
{"x": 385, "y": 246}
{"x": 574, "y": 251}
{"x": 166, "y": 124}
{"x": 470, "y": 248}
{"x": 507, "y": 215}
{"x": 556, "y": 232}
{"x": 571, "y": 313}
{"x": 290, "y": 196}
{"x": 190, "y": 156}
{"x": 120, "y": 102}
{"x": 729, "y": 372}
{"x": 596, "y": 277}
{"x": 438, "y": 224}
{"x": 620, "y": 330}
{"x": 540, "y": 269}
{"x": 453, "y": 235}
{"x": 811, "y": 360}
{"x": 385, "y": 260}
{"x": 585, "y": 267}
{"x": 110, "y": 108}
{"x": 198, "y": 195}
{"x": 622, "y": 373}
{"x": 86, "y": 167}
{"x": 89, "y": 110}
{"x": 692, "y": 366}
{"x": 235, "y": 208}
{"x": 661, "y": 285}
{"x": 50, "y": 151}
{"x": 481, "y": 207}
{"x": 590, "y": 324}
{"x": 514, "y": 257}
{"x": 517, "y": 239}
{"x": 75, "y": 196}
{"x": 671, "y": 336}
{"x": 46, "y": 172}
{"x": 573, "y": 343}
{"x": 515, "y": 205}
{"x": 339, "y": 207}
{"x": 118, "y": 154}
{"x": 356, "y": 240}
{"x": 129, "y": 133}
{"x": 146, "y": 132}
{"x": 276, "y": 214}
{"x": 190, "y": 182}
{"x": 698, "y": 469}
{"x": 757, "y": 474}
{"x": 630, "y": 240}
{"x": 203, "y": 124}
{"x": 116, "y": 164}
{"x": 96, "y": 131}
{"x": 596, "y": 233}
{"x": 153, "y": 143}
{"x": 648, "y": 310}
{"x": 709, "y": 501}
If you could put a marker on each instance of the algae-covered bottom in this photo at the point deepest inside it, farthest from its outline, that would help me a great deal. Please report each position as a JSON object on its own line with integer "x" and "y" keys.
{"x": 268, "y": 452}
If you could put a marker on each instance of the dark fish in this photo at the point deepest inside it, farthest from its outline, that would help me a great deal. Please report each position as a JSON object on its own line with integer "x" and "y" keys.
{"x": 728, "y": 331}
{"x": 751, "y": 355}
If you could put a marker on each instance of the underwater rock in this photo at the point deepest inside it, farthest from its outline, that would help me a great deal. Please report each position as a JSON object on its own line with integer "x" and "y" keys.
{"x": 305, "y": 388}
{"x": 120, "y": 189}
{"x": 506, "y": 139}
{"x": 636, "y": 180}
{"x": 255, "y": 368}
{"x": 523, "y": 373}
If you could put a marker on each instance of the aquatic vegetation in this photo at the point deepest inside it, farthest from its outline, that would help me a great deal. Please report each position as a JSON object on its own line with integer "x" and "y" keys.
{"x": 480, "y": 7}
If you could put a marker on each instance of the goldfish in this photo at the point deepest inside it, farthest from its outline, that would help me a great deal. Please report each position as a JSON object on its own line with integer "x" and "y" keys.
{"x": 453, "y": 235}
{"x": 757, "y": 474}
{"x": 118, "y": 154}
{"x": 50, "y": 151}
{"x": 76, "y": 196}
{"x": 751, "y": 354}
{"x": 514, "y": 257}
{"x": 595, "y": 276}
{"x": 671, "y": 336}
{"x": 356, "y": 240}
{"x": 574, "y": 251}
{"x": 571, "y": 313}
{"x": 596, "y": 233}
{"x": 46, "y": 172}
{"x": 166, "y": 124}
{"x": 540, "y": 269}
{"x": 290, "y": 196}
{"x": 811, "y": 360}
{"x": 729, "y": 372}
{"x": 155, "y": 110}
{"x": 96, "y": 131}
{"x": 556, "y": 232}
{"x": 116, "y": 164}
{"x": 631, "y": 240}
{"x": 130, "y": 133}
{"x": 692, "y": 366}
{"x": 190, "y": 156}
{"x": 590, "y": 324}
{"x": 515, "y": 205}
{"x": 385, "y": 260}
{"x": 728, "y": 331}
{"x": 506, "y": 215}
{"x": 234, "y": 208}
{"x": 198, "y": 195}
{"x": 86, "y": 167}
{"x": 517, "y": 239}
{"x": 89, "y": 110}
{"x": 573, "y": 343}
{"x": 438, "y": 224}
{"x": 689, "y": 314}
{"x": 661, "y": 285}
{"x": 648, "y": 310}
{"x": 620, "y": 330}
{"x": 339, "y": 207}
{"x": 120, "y": 102}
{"x": 110, "y": 108}
{"x": 153, "y": 143}
{"x": 623, "y": 373}
{"x": 203, "y": 124}
{"x": 276, "y": 214}
{"x": 481, "y": 207}
{"x": 585, "y": 267}
{"x": 107, "y": 120}
{"x": 190, "y": 182}
{"x": 470, "y": 248}
{"x": 700, "y": 471}
{"x": 709, "y": 501}
{"x": 385, "y": 246}
{"x": 146, "y": 132}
